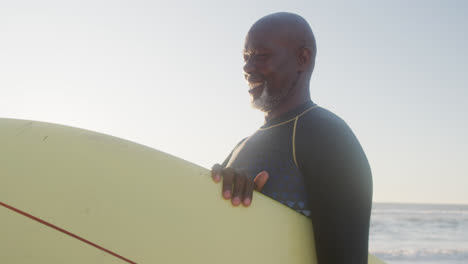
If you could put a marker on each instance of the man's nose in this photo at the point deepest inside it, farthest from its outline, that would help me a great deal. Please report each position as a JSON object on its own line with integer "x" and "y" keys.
{"x": 248, "y": 68}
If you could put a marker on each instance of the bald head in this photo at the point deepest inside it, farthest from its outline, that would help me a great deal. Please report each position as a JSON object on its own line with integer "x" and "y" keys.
{"x": 290, "y": 29}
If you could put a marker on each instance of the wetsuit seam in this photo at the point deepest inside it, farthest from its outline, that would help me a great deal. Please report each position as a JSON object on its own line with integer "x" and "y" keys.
{"x": 294, "y": 142}
{"x": 287, "y": 121}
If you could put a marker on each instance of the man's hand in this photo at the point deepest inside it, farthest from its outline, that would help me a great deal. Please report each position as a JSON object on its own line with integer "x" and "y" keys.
{"x": 236, "y": 185}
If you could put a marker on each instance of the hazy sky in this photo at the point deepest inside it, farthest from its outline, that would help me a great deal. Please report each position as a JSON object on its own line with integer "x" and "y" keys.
{"x": 169, "y": 75}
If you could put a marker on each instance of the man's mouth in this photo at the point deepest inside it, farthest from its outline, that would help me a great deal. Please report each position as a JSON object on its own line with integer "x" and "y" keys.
{"x": 254, "y": 86}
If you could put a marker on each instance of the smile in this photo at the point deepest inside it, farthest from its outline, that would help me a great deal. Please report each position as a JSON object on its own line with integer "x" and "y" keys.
{"x": 254, "y": 85}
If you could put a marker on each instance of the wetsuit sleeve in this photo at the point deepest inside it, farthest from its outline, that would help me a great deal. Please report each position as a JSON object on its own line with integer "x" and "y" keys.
{"x": 226, "y": 161}
{"x": 339, "y": 185}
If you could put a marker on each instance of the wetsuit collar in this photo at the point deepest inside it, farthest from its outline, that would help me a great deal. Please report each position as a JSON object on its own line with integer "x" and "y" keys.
{"x": 289, "y": 115}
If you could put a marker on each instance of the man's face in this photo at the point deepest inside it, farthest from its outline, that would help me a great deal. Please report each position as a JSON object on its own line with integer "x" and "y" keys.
{"x": 270, "y": 68}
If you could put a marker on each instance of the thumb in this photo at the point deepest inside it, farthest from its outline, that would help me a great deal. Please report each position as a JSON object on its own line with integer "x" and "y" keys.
{"x": 260, "y": 180}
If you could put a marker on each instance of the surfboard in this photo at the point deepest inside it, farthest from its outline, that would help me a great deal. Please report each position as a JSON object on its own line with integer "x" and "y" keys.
{"x": 70, "y": 195}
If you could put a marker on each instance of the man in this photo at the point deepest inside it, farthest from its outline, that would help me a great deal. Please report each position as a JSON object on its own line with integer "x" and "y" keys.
{"x": 304, "y": 156}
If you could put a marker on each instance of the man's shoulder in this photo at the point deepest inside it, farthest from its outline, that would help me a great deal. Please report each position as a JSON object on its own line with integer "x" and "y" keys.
{"x": 323, "y": 133}
{"x": 322, "y": 120}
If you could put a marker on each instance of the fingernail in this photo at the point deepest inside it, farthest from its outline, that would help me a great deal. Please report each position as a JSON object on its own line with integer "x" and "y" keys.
{"x": 247, "y": 201}
{"x": 216, "y": 178}
{"x": 236, "y": 201}
{"x": 227, "y": 194}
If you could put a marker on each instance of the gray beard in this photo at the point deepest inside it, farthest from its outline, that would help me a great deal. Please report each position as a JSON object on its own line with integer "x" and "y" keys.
{"x": 267, "y": 102}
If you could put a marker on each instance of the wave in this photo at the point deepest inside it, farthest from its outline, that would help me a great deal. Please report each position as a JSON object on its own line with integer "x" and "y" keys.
{"x": 422, "y": 254}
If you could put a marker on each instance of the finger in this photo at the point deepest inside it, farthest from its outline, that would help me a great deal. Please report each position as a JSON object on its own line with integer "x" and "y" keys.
{"x": 228, "y": 178}
{"x": 239, "y": 184}
{"x": 248, "y": 191}
{"x": 260, "y": 180}
{"x": 216, "y": 172}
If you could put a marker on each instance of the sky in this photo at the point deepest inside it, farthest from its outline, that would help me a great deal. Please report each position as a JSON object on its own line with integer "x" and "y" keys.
{"x": 168, "y": 74}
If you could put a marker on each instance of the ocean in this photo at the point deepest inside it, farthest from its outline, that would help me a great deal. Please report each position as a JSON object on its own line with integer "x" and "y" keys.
{"x": 419, "y": 233}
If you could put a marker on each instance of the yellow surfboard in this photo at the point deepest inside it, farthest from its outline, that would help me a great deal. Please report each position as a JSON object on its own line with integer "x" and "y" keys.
{"x": 69, "y": 195}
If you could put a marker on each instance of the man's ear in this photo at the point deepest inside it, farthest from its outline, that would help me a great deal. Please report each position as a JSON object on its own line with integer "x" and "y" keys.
{"x": 304, "y": 56}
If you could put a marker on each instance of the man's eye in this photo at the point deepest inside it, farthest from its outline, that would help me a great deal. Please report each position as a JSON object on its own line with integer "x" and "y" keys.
{"x": 261, "y": 56}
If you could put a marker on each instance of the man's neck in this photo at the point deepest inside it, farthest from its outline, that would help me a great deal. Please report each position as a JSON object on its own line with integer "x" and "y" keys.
{"x": 291, "y": 103}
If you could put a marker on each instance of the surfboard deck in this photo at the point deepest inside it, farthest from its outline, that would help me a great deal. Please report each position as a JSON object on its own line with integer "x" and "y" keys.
{"x": 102, "y": 199}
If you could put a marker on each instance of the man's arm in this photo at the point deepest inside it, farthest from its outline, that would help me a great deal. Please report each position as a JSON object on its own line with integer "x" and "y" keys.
{"x": 339, "y": 185}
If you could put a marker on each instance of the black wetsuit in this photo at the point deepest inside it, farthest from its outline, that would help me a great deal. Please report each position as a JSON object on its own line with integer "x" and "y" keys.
{"x": 318, "y": 168}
